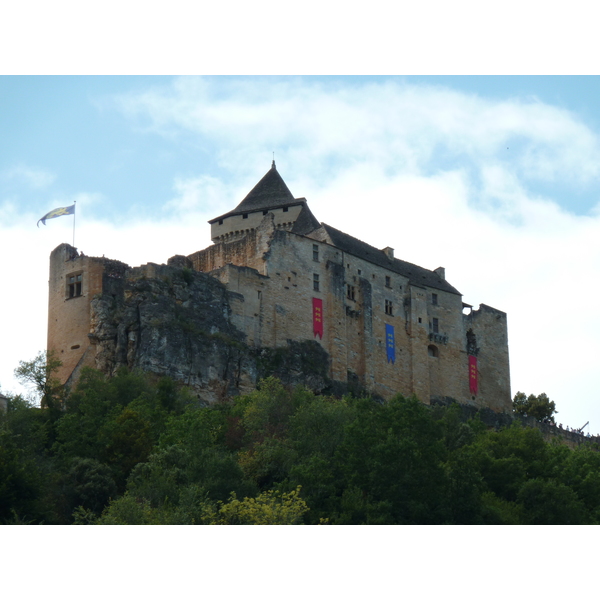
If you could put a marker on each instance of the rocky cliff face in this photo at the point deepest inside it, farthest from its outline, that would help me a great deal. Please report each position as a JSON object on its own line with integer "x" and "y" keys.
{"x": 173, "y": 321}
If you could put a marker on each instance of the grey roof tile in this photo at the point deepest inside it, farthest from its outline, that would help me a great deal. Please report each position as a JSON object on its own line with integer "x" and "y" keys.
{"x": 306, "y": 222}
{"x": 269, "y": 193}
{"x": 417, "y": 275}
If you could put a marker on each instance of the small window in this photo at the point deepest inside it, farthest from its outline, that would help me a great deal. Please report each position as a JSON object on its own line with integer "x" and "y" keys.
{"x": 74, "y": 285}
{"x": 389, "y": 308}
{"x": 315, "y": 282}
{"x": 220, "y": 221}
{"x": 316, "y": 252}
{"x": 245, "y": 216}
{"x": 388, "y": 281}
{"x": 351, "y": 292}
{"x": 436, "y": 325}
{"x": 359, "y": 272}
{"x": 433, "y": 351}
{"x": 434, "y": 299}
{"x": 285, "y": 209}
{"x": 265, "y": 212}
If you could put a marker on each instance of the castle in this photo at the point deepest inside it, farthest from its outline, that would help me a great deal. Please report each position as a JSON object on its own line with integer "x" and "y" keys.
{"x": 273, "y": 277}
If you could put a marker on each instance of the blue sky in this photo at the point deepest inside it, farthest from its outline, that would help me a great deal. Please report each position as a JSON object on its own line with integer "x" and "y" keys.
{"x": 495, "y": 178}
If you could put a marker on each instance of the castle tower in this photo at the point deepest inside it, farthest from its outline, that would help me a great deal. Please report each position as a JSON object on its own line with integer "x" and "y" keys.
{"x": 73, "y": 282}
{"x": 269, "y": 195}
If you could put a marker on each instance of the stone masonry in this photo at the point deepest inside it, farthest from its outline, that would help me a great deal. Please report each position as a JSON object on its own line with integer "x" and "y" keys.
{"x": 255, "y": 288}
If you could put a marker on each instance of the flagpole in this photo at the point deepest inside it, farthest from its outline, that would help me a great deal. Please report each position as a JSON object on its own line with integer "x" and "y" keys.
{"x": 74, "y": 211}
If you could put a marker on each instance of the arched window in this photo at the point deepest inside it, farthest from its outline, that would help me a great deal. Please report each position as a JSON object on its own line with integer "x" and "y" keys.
{"x": 433, "y": 351}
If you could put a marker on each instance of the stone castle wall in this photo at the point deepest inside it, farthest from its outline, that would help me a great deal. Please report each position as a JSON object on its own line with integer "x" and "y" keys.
{"x": 235, "y": 298}
{"x": 69, "y": 315}
{"x": 274, "y": 305}
{"x": 239, "y": 225}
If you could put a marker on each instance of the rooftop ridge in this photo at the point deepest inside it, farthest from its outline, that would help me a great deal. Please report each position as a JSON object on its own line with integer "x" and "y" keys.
{"x": 270, "y": 192}
{"x": 417, "y": 275}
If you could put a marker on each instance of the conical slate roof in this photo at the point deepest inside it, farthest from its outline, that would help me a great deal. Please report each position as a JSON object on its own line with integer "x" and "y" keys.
{"x": 270, "y": 192}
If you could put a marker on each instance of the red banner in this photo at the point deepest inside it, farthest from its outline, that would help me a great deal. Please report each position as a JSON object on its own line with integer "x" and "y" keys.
{"x": 318, "y": 317}
{"x": 473, "y": 374}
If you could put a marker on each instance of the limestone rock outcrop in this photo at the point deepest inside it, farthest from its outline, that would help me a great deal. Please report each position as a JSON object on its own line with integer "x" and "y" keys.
{"x": 172, "y": 321}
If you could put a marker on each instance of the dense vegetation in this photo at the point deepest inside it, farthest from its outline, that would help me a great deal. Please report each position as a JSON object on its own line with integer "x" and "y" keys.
{"x": 131, "y": 450}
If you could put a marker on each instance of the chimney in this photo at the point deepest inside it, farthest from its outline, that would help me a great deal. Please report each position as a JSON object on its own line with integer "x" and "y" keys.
{"x": 441, "y": 272}
{"x": 389, "y": 252}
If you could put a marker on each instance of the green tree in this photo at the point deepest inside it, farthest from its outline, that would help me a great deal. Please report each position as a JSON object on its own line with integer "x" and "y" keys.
{"x": 91, "y": 484}
{"x": 266, "y": 411}
{"x": 394, "y": 454}
{"x": 579, "y": 469}
{"x": 268, "y": 508}
{"x": 39, "y": 373}
{"x": 548, "y": 502}
{"x": 20, "y": 481}
{"x": 540, "y": 407}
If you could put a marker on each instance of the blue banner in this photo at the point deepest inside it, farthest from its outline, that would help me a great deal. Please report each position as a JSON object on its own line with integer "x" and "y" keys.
{"x": 390, "y": 343}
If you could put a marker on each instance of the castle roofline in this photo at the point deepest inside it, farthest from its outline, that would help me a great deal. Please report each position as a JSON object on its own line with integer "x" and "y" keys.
{"x": 417, "y": 275}
{"x": 305, "y": 222}
{"x": 269, "y": 193}
{"x": 238, "y": 211}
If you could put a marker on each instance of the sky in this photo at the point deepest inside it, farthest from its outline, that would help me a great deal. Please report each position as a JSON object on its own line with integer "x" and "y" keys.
{"x": 495, "y": 178}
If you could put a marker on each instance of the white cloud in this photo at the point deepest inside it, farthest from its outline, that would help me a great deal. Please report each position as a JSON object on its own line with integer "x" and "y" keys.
{"x": 29, "y": 176}
{"x": 401, "y": 127}
{"x": 199, "y": 194}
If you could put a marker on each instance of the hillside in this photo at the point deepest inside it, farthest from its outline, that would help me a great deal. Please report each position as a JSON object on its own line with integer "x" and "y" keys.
{"x": 136, "y": 449}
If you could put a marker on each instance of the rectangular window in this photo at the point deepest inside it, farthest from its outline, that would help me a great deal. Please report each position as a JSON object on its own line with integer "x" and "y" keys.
{"x": 388, "y": 282}
{"x": 434, "y": 299}
{"x": 359, "y": 272}
{"x": 316, "y": 252}
{"x": 436, "y": 325}
{"x": 245, "y": 216}
{"x": 315, "y": 282}
{"x": 265, "y": 212}
{"x": 74, "y": 285}
{"x": 389, "y": 308}
{"x": 285, "y": 209}
{"x": 351, "y": 292}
